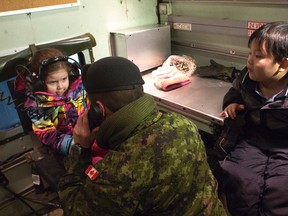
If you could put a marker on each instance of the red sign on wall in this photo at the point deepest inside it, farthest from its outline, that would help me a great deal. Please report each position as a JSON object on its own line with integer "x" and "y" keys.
{"x": 252, "y": 26}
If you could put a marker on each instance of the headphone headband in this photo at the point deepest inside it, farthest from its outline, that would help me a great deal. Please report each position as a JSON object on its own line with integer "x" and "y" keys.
{"x": 52, "y": 60}
{"x": 55, "y": 59}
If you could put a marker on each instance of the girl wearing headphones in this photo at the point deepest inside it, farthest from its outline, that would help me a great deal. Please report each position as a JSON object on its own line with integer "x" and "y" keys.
{"x": 56, "y": 98}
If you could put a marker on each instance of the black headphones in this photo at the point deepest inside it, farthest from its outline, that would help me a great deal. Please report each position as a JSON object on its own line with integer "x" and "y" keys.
{"x": 37, "y": 81}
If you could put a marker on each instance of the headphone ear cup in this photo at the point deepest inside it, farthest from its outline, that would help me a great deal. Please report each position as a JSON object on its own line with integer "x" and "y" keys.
{"x": 37, "y": 85}
{"x": 34, "y": 83}
{"x": 75, "y": 67}
{"x": 84, "y": 70}
{"x": 75, "y": 71}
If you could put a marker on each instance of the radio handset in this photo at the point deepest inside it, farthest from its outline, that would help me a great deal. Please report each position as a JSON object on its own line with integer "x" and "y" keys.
{"x": 94, "y": 116}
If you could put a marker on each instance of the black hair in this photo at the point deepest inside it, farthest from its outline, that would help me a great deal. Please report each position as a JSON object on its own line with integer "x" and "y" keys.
{"x": 274, "y": 36}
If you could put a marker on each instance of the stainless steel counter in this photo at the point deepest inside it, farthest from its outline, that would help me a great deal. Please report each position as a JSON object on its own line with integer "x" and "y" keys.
{"x": 200, "y": 100}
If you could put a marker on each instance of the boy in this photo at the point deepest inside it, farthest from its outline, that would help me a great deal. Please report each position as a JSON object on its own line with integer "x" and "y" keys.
{"x": 256, "y": 170}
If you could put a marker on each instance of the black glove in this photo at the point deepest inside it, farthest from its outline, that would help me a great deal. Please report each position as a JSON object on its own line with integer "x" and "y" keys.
{"x": 218, "y": 71}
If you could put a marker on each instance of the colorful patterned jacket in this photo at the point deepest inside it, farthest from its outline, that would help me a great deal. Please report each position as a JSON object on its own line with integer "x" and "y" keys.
{"x": 53, "y": 117}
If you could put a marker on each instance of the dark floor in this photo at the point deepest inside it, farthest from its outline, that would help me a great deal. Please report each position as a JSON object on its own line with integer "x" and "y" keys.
{"x": 56, "y": 212}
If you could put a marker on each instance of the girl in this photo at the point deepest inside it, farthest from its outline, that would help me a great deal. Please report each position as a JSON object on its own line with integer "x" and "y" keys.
{"x": 56, "y": 98}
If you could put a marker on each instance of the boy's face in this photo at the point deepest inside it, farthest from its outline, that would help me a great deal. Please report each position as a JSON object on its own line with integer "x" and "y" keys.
{"x": 57, "y": 82}
{"x": 261, "y": 66}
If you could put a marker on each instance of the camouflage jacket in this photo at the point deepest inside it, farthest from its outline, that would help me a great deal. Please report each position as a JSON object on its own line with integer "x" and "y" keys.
{"x": 160, "y": 169}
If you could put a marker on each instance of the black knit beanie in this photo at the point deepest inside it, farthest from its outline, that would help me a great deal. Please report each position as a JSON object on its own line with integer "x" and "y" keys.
{"x": 111, "y": 74}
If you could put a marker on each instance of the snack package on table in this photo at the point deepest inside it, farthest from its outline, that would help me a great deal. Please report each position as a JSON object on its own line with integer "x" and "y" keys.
{"x": 175, "y": 72}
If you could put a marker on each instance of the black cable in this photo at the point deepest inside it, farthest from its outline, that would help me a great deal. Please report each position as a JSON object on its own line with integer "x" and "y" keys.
{"x": 15, "y": 156}
{"x": 43, "y": 211}
{"x": 56, "y": 205}
{"x": 21, "y": 199}
{"x": 4, "y": 182}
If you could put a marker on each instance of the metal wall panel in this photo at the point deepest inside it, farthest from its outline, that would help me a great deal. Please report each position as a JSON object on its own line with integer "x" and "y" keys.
{"x": 218, "y": 30}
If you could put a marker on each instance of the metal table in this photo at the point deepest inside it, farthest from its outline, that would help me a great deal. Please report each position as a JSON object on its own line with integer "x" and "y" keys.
{"x": 200, "y": 100}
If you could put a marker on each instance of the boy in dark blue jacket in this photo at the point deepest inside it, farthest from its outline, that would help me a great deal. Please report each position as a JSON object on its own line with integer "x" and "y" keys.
{"x": 256, "y": 170}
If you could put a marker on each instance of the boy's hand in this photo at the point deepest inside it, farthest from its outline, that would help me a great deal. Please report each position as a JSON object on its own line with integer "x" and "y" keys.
{"x": 231, "y": 110}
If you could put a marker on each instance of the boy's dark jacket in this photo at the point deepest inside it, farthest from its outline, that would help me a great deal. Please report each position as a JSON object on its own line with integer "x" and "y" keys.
{"x": 266, "y": 121}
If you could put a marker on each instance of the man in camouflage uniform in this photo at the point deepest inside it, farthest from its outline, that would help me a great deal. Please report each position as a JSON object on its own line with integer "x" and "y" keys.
{"x": 156, "y": 163}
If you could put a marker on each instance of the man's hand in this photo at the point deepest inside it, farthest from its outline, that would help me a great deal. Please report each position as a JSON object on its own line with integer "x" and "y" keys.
{"x": 231, "y": 110}
{"x": 81, "y": 133}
